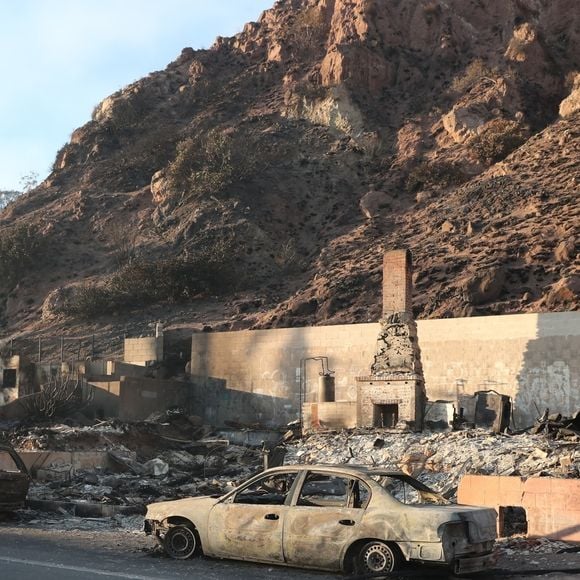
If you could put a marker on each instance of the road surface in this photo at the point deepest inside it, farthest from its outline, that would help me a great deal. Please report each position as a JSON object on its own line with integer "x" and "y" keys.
{"x": 31, "y": 554}
{"x": 38, "y": 553}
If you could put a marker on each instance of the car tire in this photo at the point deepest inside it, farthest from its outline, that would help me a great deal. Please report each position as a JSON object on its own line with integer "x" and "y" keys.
{"x": 376, "y": 558}
{"x": 181, "y": 542}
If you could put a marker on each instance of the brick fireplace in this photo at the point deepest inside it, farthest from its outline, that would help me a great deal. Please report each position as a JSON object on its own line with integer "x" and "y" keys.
{"x": 393, "y": 395}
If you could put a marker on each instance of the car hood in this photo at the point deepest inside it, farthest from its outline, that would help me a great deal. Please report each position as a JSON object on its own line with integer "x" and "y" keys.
{"x": 180, "y": 507}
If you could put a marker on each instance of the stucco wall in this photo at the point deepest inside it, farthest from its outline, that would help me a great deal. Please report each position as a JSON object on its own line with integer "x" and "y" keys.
{"x": 531, "y": 357}
{"x": 552, "y": 505}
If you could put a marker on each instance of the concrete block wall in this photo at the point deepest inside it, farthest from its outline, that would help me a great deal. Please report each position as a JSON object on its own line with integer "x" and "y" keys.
{"x": 339, "y": 414}
{"x": 105, "y": 401}
{"x": 114, "y": 370}
{"x": 552, "y": 505}
{"x": 139, "y": 397}
{"x": 533, "y": 358}
{"x": 265, "y": 365}
{"x": 138, "y": 351}
{"x": 8, "y": 394}
{"x": 135, "y": 398}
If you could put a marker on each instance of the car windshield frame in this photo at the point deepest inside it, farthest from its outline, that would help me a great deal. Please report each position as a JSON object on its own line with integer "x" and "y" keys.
{"x": 231, "y": 495}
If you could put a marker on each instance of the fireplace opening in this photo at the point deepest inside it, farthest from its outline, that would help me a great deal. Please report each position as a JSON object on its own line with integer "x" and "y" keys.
{"x": 386, "y": 416}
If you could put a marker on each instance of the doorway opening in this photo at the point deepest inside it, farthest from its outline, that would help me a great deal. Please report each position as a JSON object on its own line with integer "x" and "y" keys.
{"x": 9, "y": 378}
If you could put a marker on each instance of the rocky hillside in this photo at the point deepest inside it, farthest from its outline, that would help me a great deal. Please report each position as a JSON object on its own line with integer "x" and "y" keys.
{"x": 257, "y": 183}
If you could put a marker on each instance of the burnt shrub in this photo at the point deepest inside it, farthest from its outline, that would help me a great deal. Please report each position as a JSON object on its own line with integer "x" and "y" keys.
{"x": 497, "y": 140}
{"x": 473, "y": 74}
{"x": 212, "y": 270}
{"x": 87, "y": 301}
{"x": 20, "y": 248}
{"x": 435, "y": 175}
{"x": 211, "y": 163}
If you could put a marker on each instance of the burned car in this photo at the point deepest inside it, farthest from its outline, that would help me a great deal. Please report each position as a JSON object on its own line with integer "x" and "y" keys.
{"x": 355, "y": 519}
{"x": 14, "y": 479}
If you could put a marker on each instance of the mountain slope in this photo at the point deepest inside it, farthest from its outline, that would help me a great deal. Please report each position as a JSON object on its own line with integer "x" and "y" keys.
{"x": 258, "y": 183}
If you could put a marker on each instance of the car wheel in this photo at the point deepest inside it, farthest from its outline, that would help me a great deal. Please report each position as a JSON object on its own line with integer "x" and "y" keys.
{"x": 375, "y": 558}
{"x": 181, "y": 542}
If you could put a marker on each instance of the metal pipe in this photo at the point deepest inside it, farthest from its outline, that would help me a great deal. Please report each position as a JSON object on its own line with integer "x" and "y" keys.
{"x": 303, "y": 383}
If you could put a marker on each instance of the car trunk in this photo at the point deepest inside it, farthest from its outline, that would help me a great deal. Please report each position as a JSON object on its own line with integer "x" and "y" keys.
{"x": 481, "y": 521}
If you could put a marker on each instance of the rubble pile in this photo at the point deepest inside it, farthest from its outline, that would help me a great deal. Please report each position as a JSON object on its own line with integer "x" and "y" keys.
{"x": 169, "y": 456}
{"x": 558, "y": 427}
{"x": 440, "y": 459}
{"x": 523, "y": 546}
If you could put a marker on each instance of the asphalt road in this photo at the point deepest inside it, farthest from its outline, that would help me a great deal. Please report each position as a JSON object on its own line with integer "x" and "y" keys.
{"x": 28, "y": 553}
{"x": 32, "y": 555}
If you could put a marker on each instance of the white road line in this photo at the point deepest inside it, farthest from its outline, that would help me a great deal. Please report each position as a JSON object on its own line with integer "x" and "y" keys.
{"x": 76, "y": 569}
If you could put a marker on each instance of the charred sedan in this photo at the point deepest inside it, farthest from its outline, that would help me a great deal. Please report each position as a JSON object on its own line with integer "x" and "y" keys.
{"x": 354, "y": 519}
{"x": 14, "y": 479}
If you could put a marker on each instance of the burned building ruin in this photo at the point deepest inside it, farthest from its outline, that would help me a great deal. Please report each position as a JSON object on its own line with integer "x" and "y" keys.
{"x": 393, "y": 395}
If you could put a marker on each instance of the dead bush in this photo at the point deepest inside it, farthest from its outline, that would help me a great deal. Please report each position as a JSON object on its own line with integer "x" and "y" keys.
{"x": 476, "y": 71}
{"x": 287, "y": 258}
{"x": 87, "y": 301}
{"x": 435, "y": 175}
{"x": 123, "y": 241}
{"x": 211, "y": 163}
{"x": 20, "y": 248}
{"x": 497, "y": 140}
{"x": 59, "y": 395}
{"x": 211, "y": 270}
{"x": 307, "y": 27}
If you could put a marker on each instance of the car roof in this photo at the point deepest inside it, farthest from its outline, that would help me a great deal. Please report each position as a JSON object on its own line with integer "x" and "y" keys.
{"x": 341, "y": 468}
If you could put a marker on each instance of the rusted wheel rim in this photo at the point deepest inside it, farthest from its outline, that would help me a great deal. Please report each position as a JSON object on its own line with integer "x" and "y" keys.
{"x": 180, "y": 542}
{"x": 378, "y": 558}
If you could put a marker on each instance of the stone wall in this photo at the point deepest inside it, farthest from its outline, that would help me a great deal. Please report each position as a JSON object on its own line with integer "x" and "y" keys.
{"x": 375, "y": 392}
{"x": 533, "y": 358}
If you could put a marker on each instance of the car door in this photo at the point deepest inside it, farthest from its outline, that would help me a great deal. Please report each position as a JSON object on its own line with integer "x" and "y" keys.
{"x": 323, "y": 522}
{"x": 249, "y": 524}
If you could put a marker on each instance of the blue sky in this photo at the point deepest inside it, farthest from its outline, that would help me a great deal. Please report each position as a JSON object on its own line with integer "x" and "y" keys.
{"x": 59, "y": 58}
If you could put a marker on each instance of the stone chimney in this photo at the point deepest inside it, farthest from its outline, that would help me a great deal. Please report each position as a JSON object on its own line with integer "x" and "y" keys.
{"x": 393, "y": 395}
